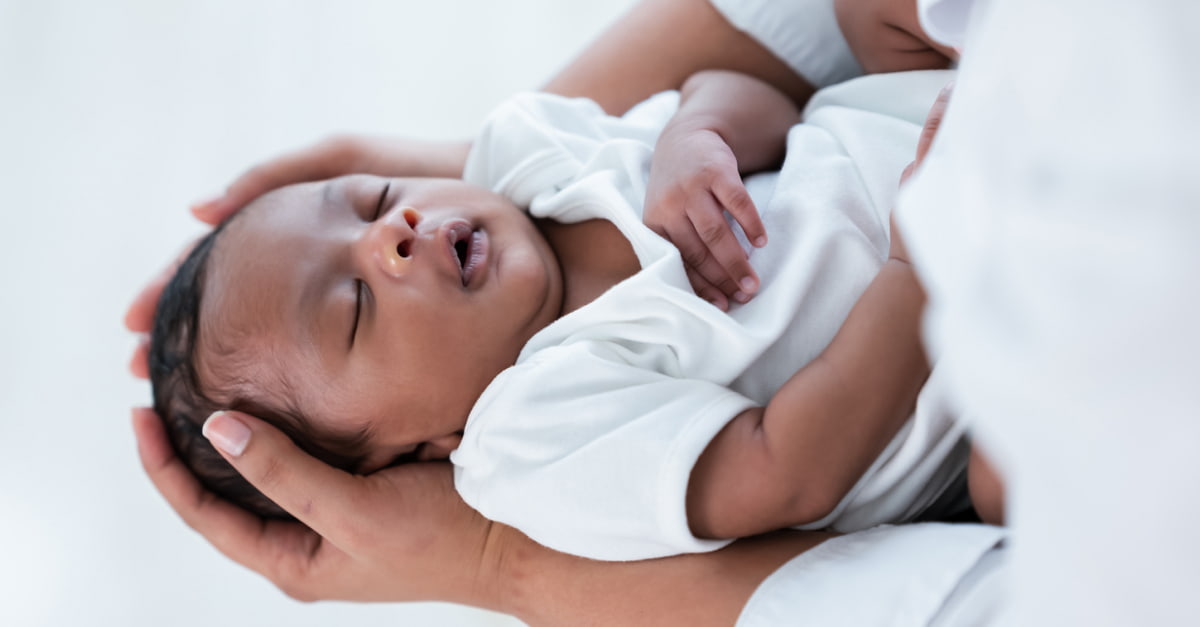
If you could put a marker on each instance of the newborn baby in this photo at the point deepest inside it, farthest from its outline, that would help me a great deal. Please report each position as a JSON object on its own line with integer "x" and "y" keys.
{"x": 551, "y": 345}
{"x": 361, "y": 325}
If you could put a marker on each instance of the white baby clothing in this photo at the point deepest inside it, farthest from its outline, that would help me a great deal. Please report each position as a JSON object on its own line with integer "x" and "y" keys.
{"x": 587, "y": 443}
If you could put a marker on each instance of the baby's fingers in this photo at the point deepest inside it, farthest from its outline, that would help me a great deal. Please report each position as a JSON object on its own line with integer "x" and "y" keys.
{"x": 732, "y": 196}
{"x": 705, "y": 289}
{"x": 719, "y": 258}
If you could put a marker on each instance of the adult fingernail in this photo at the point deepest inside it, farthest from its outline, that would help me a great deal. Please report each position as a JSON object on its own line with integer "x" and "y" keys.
{"x": 203, "y": 207}
{"x": 226, "y": 433}
{"x": 748, "y": 284}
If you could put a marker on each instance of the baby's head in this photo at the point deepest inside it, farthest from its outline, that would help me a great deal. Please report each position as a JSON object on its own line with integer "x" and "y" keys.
{"x": 363, "y": 316}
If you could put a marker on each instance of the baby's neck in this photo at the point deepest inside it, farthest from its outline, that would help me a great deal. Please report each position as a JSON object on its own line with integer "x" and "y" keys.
{"x": 593, "y": 256}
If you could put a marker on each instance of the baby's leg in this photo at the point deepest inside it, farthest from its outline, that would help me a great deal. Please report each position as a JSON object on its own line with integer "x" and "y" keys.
{"x": 986, "y": 488}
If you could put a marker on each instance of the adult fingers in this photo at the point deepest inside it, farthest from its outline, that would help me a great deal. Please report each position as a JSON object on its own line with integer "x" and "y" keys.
{"x": 933, "y": 121}
{"x": 322, "y": 497}
{"x": 325, "y": 159}
{"x": 275, "y": 549}
{"x": 731, "y": 194}
{"x": 139, "y": 318}
{"x": 139, "y": 364}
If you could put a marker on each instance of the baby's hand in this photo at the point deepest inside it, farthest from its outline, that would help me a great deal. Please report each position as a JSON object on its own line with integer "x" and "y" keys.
{"x": 693, "y": 182}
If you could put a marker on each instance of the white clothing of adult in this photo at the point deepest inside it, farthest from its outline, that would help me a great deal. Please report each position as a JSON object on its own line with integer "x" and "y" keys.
{"x": 802, "y": 33}
{"x": 1055, "y": 227}
{"x": 587, "y": 443}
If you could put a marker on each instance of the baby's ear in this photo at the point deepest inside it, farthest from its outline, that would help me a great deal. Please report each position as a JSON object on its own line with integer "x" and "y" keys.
{"x": 439, "y": 449}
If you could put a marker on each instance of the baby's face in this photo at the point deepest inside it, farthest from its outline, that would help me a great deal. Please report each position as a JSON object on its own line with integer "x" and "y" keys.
{"x": 378, "y": 309}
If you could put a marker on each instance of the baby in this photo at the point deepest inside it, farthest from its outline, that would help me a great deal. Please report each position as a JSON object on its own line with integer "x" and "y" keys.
{"x": 549, "y": 343}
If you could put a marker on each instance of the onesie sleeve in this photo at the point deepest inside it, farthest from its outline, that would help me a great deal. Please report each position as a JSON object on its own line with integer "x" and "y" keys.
{"x": 802, "y": 33}
{"x": 588, "y": 452}
{"x": 535, "y": 143}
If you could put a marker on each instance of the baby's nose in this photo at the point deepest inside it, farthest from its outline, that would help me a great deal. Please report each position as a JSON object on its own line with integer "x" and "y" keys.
{"x": 387, "y": 243}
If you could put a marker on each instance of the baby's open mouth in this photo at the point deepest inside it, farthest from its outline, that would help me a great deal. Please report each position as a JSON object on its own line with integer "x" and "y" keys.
{"x": 470, "y": 247}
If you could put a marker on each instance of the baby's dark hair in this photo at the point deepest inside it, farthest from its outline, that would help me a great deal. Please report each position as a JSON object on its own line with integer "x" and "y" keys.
{"x": 183, "y": 404}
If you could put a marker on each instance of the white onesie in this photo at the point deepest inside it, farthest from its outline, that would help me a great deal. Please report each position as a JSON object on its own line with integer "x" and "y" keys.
{"x": 587, "y": 443}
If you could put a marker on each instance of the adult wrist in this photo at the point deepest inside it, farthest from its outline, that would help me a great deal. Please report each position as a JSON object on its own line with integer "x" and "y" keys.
{"x": 509, "y": 578}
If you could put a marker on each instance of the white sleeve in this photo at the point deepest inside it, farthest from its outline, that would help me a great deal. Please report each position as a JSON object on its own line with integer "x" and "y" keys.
{"x": 535, "y": 142}
{"x": 589, "y": 452}
{"x": 908, "y": 573}
{"x": 946, "y": 20}
{"x": 802, "y": 33}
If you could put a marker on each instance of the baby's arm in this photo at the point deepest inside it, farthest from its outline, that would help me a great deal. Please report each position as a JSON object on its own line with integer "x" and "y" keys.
{"x": 792, "y": 462}
{"x": 886, "y": 36}
{"x": 728, "y": 124}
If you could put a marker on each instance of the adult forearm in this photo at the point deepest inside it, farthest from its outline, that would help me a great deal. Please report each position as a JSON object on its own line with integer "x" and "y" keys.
{"x": 544, "y": 587}
{"x": 658, "y": 45}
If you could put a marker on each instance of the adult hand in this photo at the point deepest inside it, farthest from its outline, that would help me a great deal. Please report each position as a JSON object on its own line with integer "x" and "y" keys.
{"x": 401, "y": 534}
{"x": 333, "y": 157}
{"x": 139, "y": 318}
{"x": 933, "y": 122}
{"x": 694, "y": 182}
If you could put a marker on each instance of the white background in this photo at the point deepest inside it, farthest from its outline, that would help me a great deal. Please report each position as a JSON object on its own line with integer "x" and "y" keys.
{"x": 114, "y": 117}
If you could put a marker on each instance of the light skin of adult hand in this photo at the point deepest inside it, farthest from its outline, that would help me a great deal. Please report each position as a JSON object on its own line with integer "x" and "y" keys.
{"x": 403, "y": 534}
{"x": 337, "y": 156}
{"x": 340, "y": 550}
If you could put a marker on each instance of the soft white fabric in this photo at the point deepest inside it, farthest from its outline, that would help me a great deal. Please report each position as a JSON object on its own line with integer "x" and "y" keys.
{"x": 946, "y": 20}
{"x": 803, "y": 33}
{"x": 587, "y": 443}
{"x": 889, "y": 576}
{"x": 1055, "y": 226}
